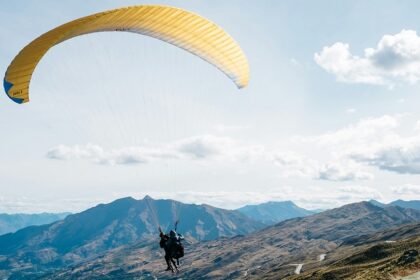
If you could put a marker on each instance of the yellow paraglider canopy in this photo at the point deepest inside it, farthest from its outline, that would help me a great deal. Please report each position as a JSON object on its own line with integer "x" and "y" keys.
{"x": 178, "y": 27}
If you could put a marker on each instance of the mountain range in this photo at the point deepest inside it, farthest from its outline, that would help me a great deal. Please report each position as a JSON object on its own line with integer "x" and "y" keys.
{"x": 119, "y": 240}
{"x": 273, "y": 212}
{"x": 413, "y": 204}
{"x": 270, "y": 253}
{"x": 267, "y": 213}
{"x": 14, "y": 222}
{"x": 107, "y": 226}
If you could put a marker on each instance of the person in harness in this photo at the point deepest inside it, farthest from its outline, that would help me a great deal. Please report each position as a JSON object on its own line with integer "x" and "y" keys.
{"x": 173, "y": 247}
{"x": 163, "y": 244}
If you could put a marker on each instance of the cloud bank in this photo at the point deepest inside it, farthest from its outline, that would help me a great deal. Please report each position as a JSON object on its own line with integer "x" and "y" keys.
{"x": 376, "y": 142}
{"x": 395, "y": 60}
{"x": 351, "y": 152}
{"x": 310, "y": 197}
{"x": 204, "y": 147}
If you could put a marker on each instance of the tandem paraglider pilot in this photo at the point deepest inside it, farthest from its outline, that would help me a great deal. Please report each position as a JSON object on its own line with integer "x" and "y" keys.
{"x": 174, "y": 250}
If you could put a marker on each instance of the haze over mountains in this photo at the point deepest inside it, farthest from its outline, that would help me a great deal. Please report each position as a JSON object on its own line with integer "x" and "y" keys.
{"x": 273, "y": 212}
{"x": 14, "y": 222}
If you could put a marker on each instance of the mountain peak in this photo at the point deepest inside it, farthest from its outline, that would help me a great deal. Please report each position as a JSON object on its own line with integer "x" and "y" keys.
{"x": 361, "y": 205}
{"x": 285, "y": 202}
{"x": 148, "y": 197}
{"x": 127, "y": 199}
{"x": 377, "y": 203}
{"x": 353, "y": 208}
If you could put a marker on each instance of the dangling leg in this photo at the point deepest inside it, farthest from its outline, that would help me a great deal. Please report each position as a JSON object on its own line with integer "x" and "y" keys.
{"x": 168, "y": 263}
{"x": 174, "y": 264}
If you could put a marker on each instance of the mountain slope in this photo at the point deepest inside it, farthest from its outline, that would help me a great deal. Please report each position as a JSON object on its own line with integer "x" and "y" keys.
{"x": 268, "y": 253}
{"x": 414, "y": 204}
{"x": 377, "y": 203}
{"x": 108, "y": 226}
{"x": 273, "y": 212}
{"x": 13, "y": 222}
{"x": 378, "y": 259}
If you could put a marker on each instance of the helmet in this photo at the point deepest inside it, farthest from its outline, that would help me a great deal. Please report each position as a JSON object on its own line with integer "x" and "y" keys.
{"x": 172, "y": 233}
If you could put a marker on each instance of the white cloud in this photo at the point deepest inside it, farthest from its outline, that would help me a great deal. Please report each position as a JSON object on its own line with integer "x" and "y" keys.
{"x": 410, "y": 190}
{"x": 97, "y": 154}
{"x": 212, "y": 148}
{"x": 375, "y": 142}
{"x": 324, "y": 198}
{"x": 360, "y": 134}
{"x": 295, "y": 165}
{"x": 359, "y": 193}
{"x": 308, "y": 197}
{"x": 25, "y": 204}
{"x": 204, "y": 147}
{"x": 351, "y": 111}
{"x": 396, "y": 59}
{"x": 401, "y": 155}
{"x": 349, "y": 171}
{"x": 348, "y": 152}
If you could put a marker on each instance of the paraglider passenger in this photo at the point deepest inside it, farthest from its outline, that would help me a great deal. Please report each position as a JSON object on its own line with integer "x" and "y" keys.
{"x": 163, "y": 244}
{"x": 173, "y": 248}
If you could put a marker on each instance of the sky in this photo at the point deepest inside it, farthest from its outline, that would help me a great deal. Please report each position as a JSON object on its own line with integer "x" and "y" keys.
{"x": 330, "y": 115}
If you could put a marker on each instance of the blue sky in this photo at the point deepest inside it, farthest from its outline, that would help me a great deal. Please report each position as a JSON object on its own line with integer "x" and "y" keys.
{"x": 330, "y": 115}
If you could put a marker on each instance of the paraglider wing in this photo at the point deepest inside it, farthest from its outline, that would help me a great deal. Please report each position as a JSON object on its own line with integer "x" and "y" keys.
{"x": 175, "y": 26}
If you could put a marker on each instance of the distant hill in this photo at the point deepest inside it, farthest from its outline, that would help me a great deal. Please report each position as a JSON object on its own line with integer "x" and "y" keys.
{"x": 273, "y": 212}
{"x": 413, "y": 204}
{"x": 266, "y": 254}
{"x": 13, "y": 222}
{"x": 106, "y": 226}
